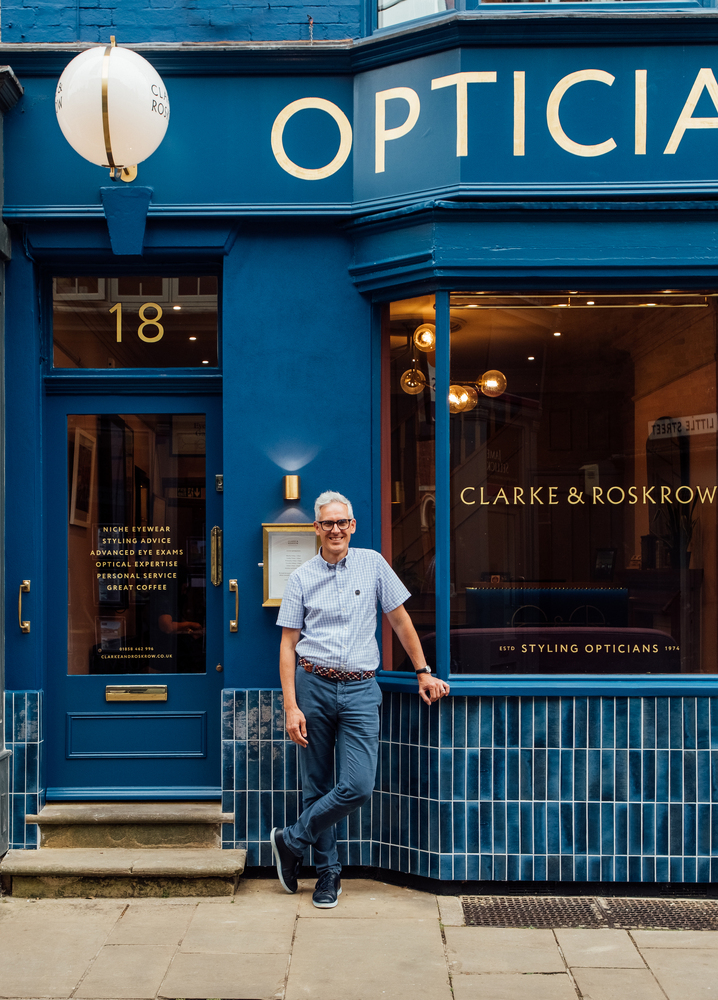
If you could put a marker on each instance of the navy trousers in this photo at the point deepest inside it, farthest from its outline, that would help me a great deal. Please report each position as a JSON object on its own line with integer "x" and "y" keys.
{"x": 342, "y": 715}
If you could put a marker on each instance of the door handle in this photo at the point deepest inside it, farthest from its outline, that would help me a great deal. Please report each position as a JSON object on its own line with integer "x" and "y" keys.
{"x": 216, "y": 555}
{"x": 233, "y": 588}
{"x": 24, "y": 589}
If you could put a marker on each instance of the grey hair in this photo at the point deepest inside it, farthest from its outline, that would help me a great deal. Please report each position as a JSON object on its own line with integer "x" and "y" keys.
{"x": 331, "y": 496}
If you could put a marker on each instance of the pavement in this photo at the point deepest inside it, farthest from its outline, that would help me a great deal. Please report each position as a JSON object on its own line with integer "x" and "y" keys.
{"x": 381, "y": 942}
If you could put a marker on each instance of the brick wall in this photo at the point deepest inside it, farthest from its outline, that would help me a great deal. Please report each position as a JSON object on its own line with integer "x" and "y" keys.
{"x": 131, "y": 21}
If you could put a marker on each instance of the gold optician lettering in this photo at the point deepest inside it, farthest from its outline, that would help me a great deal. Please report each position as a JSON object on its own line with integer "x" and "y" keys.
{"x": 621, "y": 647}
{"x": 705, "y": 81}
{"x": 614, "y": 495}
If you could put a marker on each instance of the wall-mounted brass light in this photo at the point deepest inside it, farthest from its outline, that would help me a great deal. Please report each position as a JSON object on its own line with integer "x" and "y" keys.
{"x": 292, "y": 486}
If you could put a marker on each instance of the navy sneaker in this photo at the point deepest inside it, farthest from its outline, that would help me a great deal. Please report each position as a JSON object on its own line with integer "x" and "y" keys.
{"x": 287, "y": 862}
{"x": 327, "y": 889}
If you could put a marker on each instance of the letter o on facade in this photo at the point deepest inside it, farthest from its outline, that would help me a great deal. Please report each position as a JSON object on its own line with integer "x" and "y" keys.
{"x": 345, "y": 138}
{"x": 620, "y": 490}
{"x": 690, "y": 494}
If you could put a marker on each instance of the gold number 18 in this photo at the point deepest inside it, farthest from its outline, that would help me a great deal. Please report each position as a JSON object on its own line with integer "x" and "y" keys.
{"x": 117, "y": 308}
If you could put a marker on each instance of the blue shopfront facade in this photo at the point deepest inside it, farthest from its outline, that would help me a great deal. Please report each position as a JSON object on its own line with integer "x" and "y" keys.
{"x": 314, "y": 190}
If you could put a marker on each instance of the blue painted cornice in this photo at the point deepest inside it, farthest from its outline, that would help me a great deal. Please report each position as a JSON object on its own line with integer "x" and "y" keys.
{"x": 481, "y": 28}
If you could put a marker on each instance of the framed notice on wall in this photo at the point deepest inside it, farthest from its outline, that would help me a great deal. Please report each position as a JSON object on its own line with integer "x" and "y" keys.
{"x": 286, "y": 546}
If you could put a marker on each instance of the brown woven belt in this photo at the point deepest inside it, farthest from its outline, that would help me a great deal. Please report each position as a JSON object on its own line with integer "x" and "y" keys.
{"x": 330, "y": 674}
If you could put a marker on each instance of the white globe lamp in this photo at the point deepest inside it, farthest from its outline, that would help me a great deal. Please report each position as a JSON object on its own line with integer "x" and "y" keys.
{"x": 113, "y": 108}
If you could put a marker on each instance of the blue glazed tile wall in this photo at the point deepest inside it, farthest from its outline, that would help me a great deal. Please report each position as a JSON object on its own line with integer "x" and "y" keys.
{"x": 23, "y": 736}
{"x": 564, "y": 789}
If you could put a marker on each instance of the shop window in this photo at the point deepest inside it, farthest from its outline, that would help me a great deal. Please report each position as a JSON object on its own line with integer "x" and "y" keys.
{"x": 395, "y": 12}
{"x": 391, "y": 12}
{"x": 135, "y": 321}
{"x": 136, "y": 543}
{"x": 581, "y": 465}
{"x": 411, "y": 491}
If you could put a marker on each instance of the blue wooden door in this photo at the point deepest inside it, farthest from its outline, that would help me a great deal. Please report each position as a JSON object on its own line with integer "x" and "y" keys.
{"x": 133, "y": 606}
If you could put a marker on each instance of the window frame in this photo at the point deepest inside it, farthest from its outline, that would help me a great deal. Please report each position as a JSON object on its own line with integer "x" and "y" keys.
{"x": 90, "y": 379}
{"x": 477, "y": 7}
{"x": 625, "y": 685}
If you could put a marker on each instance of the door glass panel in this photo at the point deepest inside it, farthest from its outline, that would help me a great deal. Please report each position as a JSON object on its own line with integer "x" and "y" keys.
{"x": 141, "y": 321}
{"x": 136, "y": 543}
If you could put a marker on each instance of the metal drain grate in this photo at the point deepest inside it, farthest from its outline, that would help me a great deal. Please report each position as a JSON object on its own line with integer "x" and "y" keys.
{"x": 532, "y": 911}
{"x": 662, "y": 914}
{"x": 591, "y": 912}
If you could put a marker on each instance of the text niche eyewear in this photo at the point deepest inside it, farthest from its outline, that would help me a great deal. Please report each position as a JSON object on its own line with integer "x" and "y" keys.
{"x": 343, "y": 523}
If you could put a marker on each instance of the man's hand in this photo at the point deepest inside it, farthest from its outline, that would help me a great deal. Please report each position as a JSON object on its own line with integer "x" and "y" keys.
{"x": 431, "y": 688}
{"x": 297, "y": 727}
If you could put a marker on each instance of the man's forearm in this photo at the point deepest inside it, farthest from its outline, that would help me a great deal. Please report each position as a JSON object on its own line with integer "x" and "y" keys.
{"x": 287, "y": 667}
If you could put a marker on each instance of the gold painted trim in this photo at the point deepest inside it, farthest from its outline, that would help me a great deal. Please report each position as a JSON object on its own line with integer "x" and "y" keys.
{"x": 136, "y": 692}
{"x": 105, "y": 114}
{"x": 296, "y": 527}
{"x": 216, "y": 555}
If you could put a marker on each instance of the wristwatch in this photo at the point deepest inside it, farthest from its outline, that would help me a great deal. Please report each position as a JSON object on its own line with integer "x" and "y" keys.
{"x": 423, "y": 670}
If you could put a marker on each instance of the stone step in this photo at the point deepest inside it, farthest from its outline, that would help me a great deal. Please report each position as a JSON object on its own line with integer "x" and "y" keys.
{"x": 54, "y": 873}
{"x": 131, "y": 825}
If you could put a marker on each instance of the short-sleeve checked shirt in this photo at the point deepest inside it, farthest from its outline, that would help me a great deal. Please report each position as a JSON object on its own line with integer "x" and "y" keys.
{"x": 334, "y": 604}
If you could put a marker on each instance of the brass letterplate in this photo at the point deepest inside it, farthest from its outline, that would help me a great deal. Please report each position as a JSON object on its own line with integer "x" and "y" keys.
{"x": 136, "y": 692}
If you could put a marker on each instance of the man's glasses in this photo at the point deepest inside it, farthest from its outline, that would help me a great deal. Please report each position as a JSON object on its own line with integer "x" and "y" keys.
{"x": 343, "y": 523}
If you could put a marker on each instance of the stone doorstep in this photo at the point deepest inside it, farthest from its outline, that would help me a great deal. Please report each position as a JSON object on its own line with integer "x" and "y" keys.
{"x": 57, "y": 872}
{"x": 131, "y": 825}
{"x": 118, "y": 861}
{"x": 131, "y": 836}
{"x": 129, "y": 813}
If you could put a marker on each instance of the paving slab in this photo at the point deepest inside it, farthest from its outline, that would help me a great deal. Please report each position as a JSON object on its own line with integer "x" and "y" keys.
{"x": 44, "y": 950}
{"x": 143, "y": 925}
{"x": 232, "y": 977}
{"x": 499, "y": 949}
{"x": 675, "y": 939}
{"x": 685, "y": 973}
{"x": 602, "y": 948}
{"x": 514, "y": 986}
{"x": 126, "y": 972}
{"x": 451, "y": 912}
{"x": 240, "y": 930}
{"x": 617, "y": 984}
{"x": 368, "y": 959}
{"x": 362, "y": 898}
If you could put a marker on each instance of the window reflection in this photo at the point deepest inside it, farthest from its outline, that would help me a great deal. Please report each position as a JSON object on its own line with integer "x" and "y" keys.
{"x": 136, "y": 544}
{"x": 140, "y": 321}
{"x": 583, "y": 481}
{"x": 411, "y": 504}
{"x": 584, "y": 495}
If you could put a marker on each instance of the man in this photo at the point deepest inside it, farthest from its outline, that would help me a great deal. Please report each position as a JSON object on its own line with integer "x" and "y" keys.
{"x": 331, "y": 698}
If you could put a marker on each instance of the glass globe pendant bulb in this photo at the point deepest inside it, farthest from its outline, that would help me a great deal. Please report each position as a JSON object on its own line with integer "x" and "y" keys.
{"x": 493, "y": 383}
{"x": 472, "y": 397}
{"x": 425, "y": 337}
{"x": 458, "y": 398}
{"x": 413, "y": 381}
{"x": 112, "y": 106}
